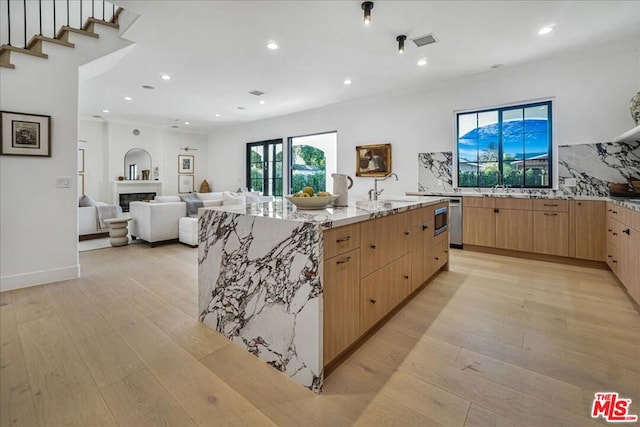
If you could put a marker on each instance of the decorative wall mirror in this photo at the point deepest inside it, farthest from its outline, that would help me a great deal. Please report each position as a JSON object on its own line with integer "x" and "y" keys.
{"x": 137, "y": 164}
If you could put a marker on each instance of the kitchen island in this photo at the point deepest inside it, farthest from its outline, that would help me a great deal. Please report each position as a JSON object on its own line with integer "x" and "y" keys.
{"x": 262, "y": 284}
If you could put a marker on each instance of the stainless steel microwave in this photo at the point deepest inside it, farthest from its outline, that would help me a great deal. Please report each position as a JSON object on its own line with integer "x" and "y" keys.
{"x": 440, "y": 217}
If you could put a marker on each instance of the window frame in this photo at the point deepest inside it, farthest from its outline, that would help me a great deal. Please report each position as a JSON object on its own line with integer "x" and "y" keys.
{"x": 265, "y": 162}
{"x": 500, "y": 110}
{"x": 290, "y": 153}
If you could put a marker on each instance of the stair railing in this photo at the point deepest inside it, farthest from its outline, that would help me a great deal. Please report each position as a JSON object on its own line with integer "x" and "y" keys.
{"x": 42, "y": 17}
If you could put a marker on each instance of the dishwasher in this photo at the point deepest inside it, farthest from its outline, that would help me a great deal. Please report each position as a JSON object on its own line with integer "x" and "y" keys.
{"x": 455, "y": 222}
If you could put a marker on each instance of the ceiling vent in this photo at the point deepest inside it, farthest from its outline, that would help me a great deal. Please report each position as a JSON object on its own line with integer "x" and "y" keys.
{"x": 256, "y": 92}
{"x": 424, "y": 40}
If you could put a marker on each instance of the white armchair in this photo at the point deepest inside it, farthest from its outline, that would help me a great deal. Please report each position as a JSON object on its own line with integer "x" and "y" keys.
{"x": 156, "y": 222}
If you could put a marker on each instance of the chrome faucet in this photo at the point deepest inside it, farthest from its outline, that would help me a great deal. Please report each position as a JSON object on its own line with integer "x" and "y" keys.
{"x": 500, "y": 183}
{"x": 374, "y": 193}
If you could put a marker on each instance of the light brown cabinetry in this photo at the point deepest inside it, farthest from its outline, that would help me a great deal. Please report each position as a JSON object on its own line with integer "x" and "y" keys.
{"x": 382, "y": 290}
{"x": 341, "y": 239}
{"x": 382, "y": 240}
{"x": 514, "y": 224}
{"x": 341, "y": 292}
{"x": 551, "y": 227}
{"x": 587, "y": 232}
{"x": 478, "y": 221}
{"x": 623, "y": 247}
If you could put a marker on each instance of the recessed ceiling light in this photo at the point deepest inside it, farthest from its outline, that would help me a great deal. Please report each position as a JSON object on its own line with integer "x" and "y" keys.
{"x": 272, "y": 45}
{"x": 165, "y": 77}
{"x": 128, "y": 98}
{"x": 217, "y": 115}
{"x": 422, "y": 62}
{"x": 148, "y": 87}
{"x": 262, "y": 102}
{"x": 105, "y": 111}
{"x": 187, "y": 123}
{"x": 347, "y": 82}
{"x": 546, "y": 30}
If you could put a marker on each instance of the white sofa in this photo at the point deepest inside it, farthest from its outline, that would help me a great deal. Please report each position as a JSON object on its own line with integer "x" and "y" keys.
{"x": 88, "y": 227}
{"x": 158, "y": 220}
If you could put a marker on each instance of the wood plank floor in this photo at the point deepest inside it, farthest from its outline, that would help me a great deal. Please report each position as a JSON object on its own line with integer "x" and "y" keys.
{"x": 495, "y": 341}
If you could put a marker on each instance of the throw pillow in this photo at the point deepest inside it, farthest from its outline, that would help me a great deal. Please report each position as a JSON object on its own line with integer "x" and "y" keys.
{"x": 231, "y": 198}
{"x": 166, "y": 199}
{"x": 85, "y": 201}
{"x": 193, "y": 203}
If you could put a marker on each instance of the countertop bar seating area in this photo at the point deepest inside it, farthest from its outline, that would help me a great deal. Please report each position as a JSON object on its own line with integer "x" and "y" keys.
{"x": 286, "y": 285}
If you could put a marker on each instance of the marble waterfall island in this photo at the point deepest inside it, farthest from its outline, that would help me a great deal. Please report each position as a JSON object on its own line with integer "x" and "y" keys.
{"x": 260, "y": 277}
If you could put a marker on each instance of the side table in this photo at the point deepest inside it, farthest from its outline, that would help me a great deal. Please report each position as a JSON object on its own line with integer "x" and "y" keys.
{"x": 118, "y": 230}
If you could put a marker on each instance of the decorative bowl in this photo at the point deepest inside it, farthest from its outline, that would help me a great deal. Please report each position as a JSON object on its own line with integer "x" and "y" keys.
{"x": 311, "y": 202}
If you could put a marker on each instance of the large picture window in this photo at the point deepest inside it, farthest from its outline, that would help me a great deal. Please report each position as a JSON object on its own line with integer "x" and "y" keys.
{"x": 312, "y": 160}
{"x": 510, "y": 146}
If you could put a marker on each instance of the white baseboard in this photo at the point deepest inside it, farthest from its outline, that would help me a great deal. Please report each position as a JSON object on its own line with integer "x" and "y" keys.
{"x": 25, "y": 280}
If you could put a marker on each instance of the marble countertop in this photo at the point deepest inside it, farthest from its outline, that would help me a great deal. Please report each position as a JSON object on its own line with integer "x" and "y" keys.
{"x": 330, "y": 217}
{"x": 629, "y": 203}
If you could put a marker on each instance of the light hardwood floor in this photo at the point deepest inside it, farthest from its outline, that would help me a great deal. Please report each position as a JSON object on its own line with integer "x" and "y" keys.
{"x": 494, "y": 341}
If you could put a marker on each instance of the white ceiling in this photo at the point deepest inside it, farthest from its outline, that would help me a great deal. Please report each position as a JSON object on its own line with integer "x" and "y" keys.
{"x": 215, "y": 52}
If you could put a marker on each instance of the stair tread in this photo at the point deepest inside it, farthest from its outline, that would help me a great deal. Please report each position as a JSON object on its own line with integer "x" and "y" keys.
{"x": 90, "y": 21}
{"x": 37, "y": 38}
{"x": 5, "y": 47}
{"x": 75, "y": 30}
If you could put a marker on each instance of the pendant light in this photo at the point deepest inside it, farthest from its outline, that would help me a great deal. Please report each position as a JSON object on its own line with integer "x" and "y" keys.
{"x": 401, "y": 40}
{"x": 367, "y": 6}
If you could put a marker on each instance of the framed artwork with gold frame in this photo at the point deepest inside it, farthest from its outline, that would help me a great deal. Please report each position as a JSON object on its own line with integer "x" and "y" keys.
{"x": 373, "y": 160}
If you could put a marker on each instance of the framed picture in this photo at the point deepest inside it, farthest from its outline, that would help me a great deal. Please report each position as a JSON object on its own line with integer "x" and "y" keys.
{"x": 373, "y": 160}
{"x": 80, "y": 160}
{"x": 25, "y": 134}
{"x": 185, "y": 183}
{"x": 185, "y": 163}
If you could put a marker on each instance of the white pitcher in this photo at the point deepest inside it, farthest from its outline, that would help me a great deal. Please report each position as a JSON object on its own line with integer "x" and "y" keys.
{"x": 340, "y": 188}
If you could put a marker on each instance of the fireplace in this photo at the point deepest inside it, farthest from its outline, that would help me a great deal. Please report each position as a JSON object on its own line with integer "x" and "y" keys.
{"x": 126, "y": 198}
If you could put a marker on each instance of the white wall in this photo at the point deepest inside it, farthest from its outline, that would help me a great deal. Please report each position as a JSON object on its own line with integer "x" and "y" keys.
{"x": 116, "y": 138}
{"x": 591, "y": 93}
{"x": 39, "y": 226}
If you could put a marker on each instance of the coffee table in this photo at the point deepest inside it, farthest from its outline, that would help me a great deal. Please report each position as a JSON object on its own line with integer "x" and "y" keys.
{"x": 118, "y": 231}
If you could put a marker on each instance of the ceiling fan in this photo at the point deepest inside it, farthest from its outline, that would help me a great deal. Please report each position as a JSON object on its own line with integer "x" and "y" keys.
{"x": 188, "y": 149}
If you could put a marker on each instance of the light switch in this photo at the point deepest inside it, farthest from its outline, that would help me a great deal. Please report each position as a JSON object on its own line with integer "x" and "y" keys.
{"x": 63, "y": 182}
{"x": 570, "y": 182}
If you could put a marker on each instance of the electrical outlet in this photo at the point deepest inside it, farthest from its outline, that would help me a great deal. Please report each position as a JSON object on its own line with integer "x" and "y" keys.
{"x": 63, "y": 182}
{"x": 570, "y": 182}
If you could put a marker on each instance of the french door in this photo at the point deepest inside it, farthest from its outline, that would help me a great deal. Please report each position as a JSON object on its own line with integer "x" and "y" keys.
{"x": 264, "y": 167}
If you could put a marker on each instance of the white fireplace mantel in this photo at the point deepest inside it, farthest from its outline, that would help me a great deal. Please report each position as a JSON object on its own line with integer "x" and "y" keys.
{"x": 135, "y": 186}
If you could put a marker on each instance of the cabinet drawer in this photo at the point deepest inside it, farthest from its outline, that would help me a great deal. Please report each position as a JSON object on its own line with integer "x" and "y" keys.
{"x": 519, "y": 204}
{"x": 340, "y": 240}
{"x": 440, "y": 256}
{"x": 550, "y": 205}
{"x": 478, "y": 202}
{"x": 551, "y": 233}
{"x": 383, "y": 240}
{"x": 381, "y": 291}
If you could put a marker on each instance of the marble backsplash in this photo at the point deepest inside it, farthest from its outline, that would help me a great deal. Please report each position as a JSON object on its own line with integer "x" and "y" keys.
{"x": 593, "y": 166}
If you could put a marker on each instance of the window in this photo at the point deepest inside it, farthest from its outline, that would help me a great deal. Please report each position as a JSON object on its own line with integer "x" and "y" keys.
{"x": 508, "y": 146}
{"x": 312, "y": 160}
{"x": 264, "y": 167}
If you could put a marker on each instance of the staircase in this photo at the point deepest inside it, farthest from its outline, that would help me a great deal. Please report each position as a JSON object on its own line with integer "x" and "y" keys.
{"x": 40, "y": 18}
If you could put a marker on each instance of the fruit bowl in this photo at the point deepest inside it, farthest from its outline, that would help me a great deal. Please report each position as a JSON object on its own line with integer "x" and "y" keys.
{"x": 316, "y": 202}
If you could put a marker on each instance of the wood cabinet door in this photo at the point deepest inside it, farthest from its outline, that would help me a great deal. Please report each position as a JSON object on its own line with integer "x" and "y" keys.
{"x": 589, "y": 229}
{"x": 383, "y": 240}
{"x": 551, "y": 233}
{"x": 514, "y": 229}
{"x": 426, "y": 269}
{"x": 631, "y": 264}
{"x": 382, "y": 290}
{"x": 341, "y": 307}
{"x": 478, "y": 226}
{"x": 439, "y": 255}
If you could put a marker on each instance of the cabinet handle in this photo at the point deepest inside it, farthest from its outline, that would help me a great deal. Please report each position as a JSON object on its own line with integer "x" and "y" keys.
{"x": 405, "y": 276}
{"x": 550, "y": 204}
{"x": 437, "y": 259}
{"x": 579, "y": 203}
{"x": 343, "y": 260}
{"x": 615, "y": 234}
{"x": 372, "y": 301}
{"x": 424, "y": 227}
{"x": 627, "y": 231}
{"x": 609, "y": 210}
{"x": 551, "y": 214}
{"x": 615, "y": 261}
{"x": 345, "y": 239}
{"x": 615, "y": 212}
{"x": 496, "y": 210}
{"x": 446, "y": 251}
{"x": 406, "y": 233}
{"x": 372, "y": 246}
{"x": 609, "y": 230}
{"x": 609, "y": 256}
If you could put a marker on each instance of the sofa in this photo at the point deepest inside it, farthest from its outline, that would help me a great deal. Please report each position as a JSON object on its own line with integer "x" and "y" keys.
{"x": 159, "y": 220}
{"x": 88, "y": 224}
